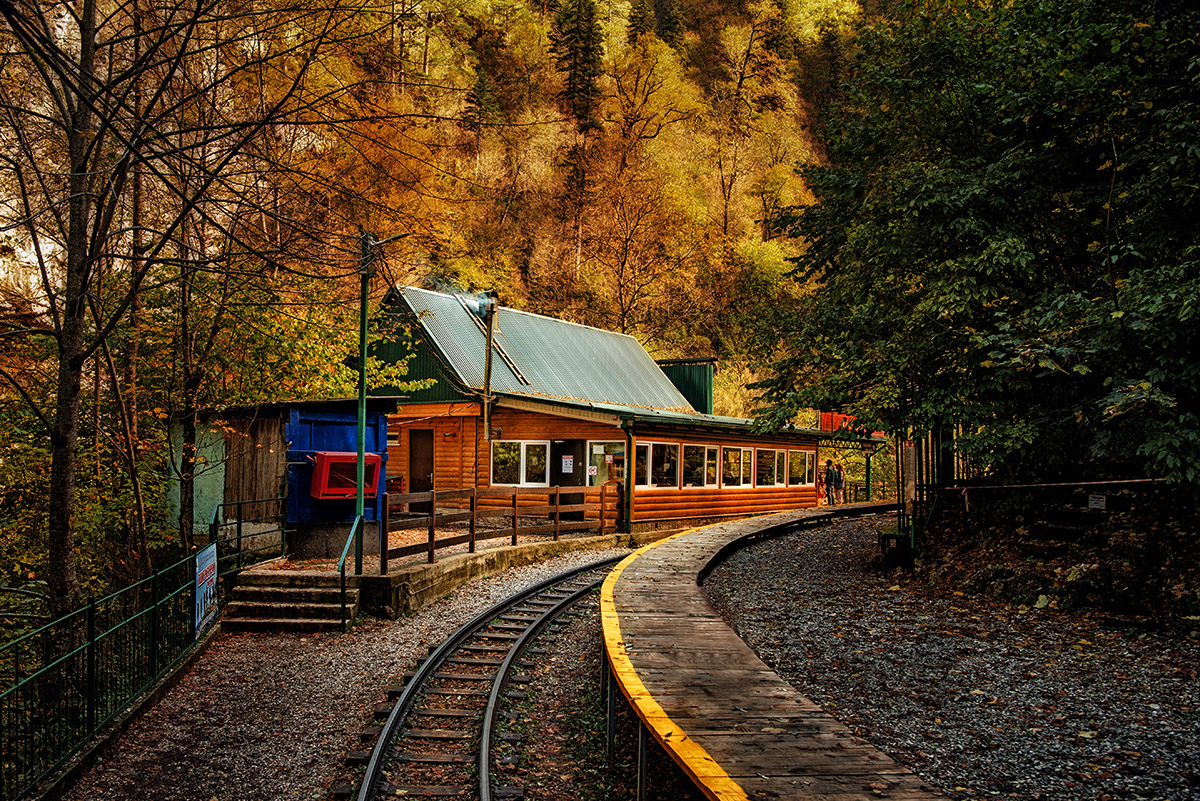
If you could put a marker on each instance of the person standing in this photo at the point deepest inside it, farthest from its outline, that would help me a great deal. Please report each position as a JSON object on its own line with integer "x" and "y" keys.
{"x": 830, "y": 479}
{"x": 839, "y": 483}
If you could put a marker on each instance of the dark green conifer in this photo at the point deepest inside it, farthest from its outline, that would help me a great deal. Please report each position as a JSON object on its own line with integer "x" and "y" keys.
{"x": 670, "y": 22}
{"x": 577, "y": 46}
{"x": 641, "y": 20}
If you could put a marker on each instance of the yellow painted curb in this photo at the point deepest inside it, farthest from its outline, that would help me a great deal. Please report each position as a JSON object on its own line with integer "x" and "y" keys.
{"x": 690, "y": 755}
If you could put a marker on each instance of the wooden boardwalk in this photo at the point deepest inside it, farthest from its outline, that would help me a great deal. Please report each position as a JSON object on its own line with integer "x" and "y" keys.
{"x": 733, "y": 725}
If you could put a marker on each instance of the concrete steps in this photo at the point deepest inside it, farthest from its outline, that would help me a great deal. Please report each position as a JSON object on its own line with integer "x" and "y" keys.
{"x": 289, "y": 600}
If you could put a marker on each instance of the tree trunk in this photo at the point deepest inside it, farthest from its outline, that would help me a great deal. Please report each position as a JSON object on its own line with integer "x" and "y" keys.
{"x": 63, "y": 580}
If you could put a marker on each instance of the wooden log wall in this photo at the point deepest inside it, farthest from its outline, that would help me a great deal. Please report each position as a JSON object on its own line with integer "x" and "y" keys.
{"x": 518, "y": 425}
{"x": 455, "y": 428}
{"x": 670, "y": 504}
{"x": 462, "y": 458}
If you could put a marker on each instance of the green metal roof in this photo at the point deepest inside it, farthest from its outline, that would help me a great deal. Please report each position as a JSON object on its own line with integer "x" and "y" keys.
{"x": 552, "y": 361}
{"x": 542, "y": 358}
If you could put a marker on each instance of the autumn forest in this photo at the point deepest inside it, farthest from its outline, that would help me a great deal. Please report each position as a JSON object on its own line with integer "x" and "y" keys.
{"x": 956, "y": 215}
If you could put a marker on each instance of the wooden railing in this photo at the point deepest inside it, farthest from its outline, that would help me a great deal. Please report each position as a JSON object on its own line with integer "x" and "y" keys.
{"x": 525, "y": 510}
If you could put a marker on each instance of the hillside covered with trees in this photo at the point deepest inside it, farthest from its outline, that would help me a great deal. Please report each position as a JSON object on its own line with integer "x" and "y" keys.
{"x": 943, "y": 215}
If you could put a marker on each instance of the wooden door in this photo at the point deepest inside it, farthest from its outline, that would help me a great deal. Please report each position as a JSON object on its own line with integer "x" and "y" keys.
{"x": 420, "y": 464}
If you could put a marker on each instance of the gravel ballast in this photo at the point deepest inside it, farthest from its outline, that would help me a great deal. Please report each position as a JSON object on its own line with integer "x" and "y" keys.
{"x": 981, "y": 699}
{"x": 273, "y": 716}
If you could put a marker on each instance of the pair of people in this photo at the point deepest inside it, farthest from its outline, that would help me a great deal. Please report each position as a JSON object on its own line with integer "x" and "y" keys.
{"x": 835, "y": 483}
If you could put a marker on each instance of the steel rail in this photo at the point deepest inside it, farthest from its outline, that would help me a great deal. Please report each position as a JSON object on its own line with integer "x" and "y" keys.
{"x": 404, "y": 703}
{"x": 492, "y": 709}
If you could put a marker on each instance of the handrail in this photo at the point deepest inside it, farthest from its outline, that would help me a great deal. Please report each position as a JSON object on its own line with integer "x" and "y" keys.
{"x": 341, "y": 565}
{"x": 507, "y": 502}
{"x": 105, "y": 654}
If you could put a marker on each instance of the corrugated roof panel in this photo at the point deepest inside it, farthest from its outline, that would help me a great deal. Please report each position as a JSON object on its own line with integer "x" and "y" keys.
{"x": 560, "y": 360}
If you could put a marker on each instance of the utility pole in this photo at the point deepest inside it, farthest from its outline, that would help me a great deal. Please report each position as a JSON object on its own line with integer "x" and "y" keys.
{"x": 371, "y": 248}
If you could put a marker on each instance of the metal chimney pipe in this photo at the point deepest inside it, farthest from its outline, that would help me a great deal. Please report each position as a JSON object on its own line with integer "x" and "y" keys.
{"x": 489, "y": 318}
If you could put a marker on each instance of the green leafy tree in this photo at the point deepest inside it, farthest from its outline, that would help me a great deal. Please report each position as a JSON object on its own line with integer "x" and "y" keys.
{"x": 1004, "y": 240}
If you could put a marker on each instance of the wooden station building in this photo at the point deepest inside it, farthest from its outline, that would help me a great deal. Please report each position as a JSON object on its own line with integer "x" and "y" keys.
{"x": 573, "y": 405}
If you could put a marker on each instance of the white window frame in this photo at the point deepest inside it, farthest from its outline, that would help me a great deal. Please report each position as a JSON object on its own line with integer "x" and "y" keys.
{"x": 524, "y": 443}
{"x": 650, "y": 464}
{"x": 775, "y": 458}
{"x": 810, "y": 458}
{"x": 642, "y": 480}
{"x": 592, "y": 442}
{"x": 747, "y": 481}
{"x": 707, "y": 450}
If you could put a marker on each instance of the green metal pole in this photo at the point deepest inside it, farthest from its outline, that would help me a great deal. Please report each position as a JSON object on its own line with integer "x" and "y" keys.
{"x": 630, "y": 478}
{"x": 359, "y": 495}
{"x": 870, "y": 456}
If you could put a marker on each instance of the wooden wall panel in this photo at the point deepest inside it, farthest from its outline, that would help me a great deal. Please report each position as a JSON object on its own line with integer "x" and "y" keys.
{"x": 520, "y": 425}
{"x": 256, "y": 459}
{"x": 462, "y": 457}
{"x": 659, "y": 504}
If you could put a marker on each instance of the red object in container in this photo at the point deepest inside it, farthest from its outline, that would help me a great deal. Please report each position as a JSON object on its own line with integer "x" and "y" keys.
{"x": 335, "y": 475}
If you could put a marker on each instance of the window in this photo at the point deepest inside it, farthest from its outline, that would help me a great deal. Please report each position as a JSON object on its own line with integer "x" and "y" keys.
{"x": 656, "y": 464}
{"x": 770, "y": 470}
{"x": 699, "y": 466}
{"x": 606, "y": 462}
{"x": 641, "y": 465}
{"x": 521, "y": 464}
{"x": 664, "y": 465}
{"x": 737, "y": 467}
{"x": 801, "y": 468}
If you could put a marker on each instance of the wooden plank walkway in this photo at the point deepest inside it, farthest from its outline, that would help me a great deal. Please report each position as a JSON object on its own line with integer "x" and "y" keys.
{"x": 733, "y": 725}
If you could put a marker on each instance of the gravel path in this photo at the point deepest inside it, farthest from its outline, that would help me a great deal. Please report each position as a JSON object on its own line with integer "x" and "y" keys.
{"x": 273, "y": 716}
{"x": 981, "y": 699}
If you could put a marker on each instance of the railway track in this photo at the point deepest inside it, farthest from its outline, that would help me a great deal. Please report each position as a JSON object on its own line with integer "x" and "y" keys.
{"x": 443, "y": 736}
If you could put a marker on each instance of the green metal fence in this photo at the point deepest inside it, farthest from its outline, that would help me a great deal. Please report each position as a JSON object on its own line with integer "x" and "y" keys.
{"x": 67, "y": 680}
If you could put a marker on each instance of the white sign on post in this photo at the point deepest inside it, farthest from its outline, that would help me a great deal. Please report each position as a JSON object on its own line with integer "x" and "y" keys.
{"x": 206, "y": 587}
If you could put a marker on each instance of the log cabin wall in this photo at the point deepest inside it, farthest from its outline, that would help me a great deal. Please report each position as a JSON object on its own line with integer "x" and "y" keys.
{"x": 455, "y": 428}
{"x": 658, "y": 504}
{"x": 462, "y": 458}
{"x": 510, "y": 424}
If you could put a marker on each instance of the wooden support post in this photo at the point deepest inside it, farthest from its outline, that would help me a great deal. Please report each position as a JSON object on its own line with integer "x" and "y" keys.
{"x": 514, "y": 516}
{"x": 603, "y": 505}
{"x": 432, "y": 522}
{"x": 474, "y": 512}
{"x": 384, "y": 531}
{"x": 610, "y": 708}
{"x": 643, "y": 760}
{"x": 557, "y": 504}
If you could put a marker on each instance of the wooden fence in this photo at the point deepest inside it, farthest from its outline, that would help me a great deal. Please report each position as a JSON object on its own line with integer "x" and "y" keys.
{"x": 525, "y": 510}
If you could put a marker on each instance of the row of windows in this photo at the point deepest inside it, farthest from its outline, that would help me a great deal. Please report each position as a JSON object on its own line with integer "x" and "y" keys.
{"x": 660, "y": 464}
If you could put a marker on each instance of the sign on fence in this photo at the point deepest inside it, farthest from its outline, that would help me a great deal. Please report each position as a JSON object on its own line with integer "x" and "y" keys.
{"x": 206, "y": 587}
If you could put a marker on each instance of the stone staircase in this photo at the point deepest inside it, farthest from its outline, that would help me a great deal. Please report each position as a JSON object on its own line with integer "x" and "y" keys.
{"x": 289, "y": 600}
